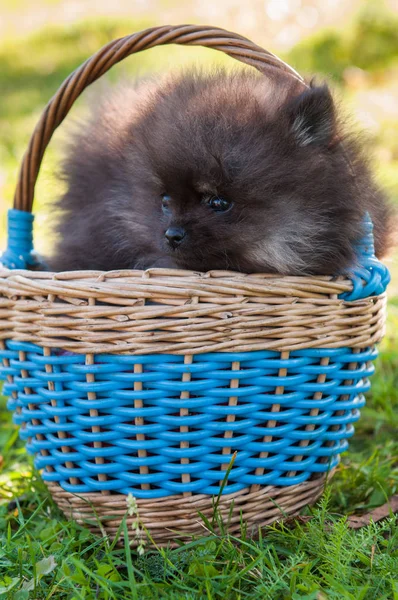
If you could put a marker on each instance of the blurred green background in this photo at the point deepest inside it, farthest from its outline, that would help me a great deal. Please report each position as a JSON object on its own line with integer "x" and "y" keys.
{"x": 352, "y": 43}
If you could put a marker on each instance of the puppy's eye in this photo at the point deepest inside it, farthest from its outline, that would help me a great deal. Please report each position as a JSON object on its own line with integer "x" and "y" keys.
{"x": 166, "y": 203}
{"x": 218, "y": 203}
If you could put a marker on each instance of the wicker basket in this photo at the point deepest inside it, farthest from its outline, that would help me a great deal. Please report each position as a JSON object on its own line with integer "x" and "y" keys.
{"x": 155, "y": 382}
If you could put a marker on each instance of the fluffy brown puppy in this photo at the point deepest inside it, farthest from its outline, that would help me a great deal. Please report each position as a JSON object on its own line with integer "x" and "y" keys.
{"x": 217, "y": 171}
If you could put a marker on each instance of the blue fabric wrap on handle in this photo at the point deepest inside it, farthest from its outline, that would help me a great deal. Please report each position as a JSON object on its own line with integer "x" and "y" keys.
{"x": 19, "y": 253}
{"x": 369, "y": 276}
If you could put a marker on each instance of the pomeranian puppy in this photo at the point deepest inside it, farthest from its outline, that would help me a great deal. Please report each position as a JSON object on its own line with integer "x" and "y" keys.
{"x": 217, "y": 170}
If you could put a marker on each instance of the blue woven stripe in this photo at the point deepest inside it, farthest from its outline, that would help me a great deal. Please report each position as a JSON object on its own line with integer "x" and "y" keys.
{"x": 75, "y": 446}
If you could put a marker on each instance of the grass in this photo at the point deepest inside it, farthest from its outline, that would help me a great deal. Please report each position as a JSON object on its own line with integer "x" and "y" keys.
{"x": 44, "y": 556}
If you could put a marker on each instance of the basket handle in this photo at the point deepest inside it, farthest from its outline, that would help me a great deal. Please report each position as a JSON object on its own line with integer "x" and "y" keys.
{"x": 60, "y": 104}
{"x": 19, "y": 253}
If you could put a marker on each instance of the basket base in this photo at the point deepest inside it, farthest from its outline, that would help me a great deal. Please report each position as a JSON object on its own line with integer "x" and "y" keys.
{"x": 176, "y": 517}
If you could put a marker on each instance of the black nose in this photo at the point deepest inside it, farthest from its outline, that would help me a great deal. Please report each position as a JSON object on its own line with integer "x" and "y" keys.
{"x": 174, "y": 236}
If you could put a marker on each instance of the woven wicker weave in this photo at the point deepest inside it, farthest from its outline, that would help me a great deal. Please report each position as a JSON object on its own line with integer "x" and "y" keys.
{"x": 154, "y": 382}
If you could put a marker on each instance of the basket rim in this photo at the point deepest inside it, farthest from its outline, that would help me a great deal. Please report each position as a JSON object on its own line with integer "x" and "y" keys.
{"x": 339, "y": 283}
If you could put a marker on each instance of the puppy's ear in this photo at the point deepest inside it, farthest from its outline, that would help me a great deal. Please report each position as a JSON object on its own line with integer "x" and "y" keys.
{"x": 312, "y": 117}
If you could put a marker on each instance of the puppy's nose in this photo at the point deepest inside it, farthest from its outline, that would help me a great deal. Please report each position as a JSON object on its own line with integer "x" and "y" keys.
{"x": 174, "y": 236}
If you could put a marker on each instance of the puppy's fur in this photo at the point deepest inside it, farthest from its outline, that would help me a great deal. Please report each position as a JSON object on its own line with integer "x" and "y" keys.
{"x": 298, "y": 184}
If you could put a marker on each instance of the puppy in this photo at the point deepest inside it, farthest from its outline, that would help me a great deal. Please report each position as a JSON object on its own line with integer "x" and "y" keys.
{"x": 217, "y": 170}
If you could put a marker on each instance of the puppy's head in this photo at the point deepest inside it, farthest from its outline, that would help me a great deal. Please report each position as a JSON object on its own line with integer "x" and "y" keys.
{"x": 250, "y": 176}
